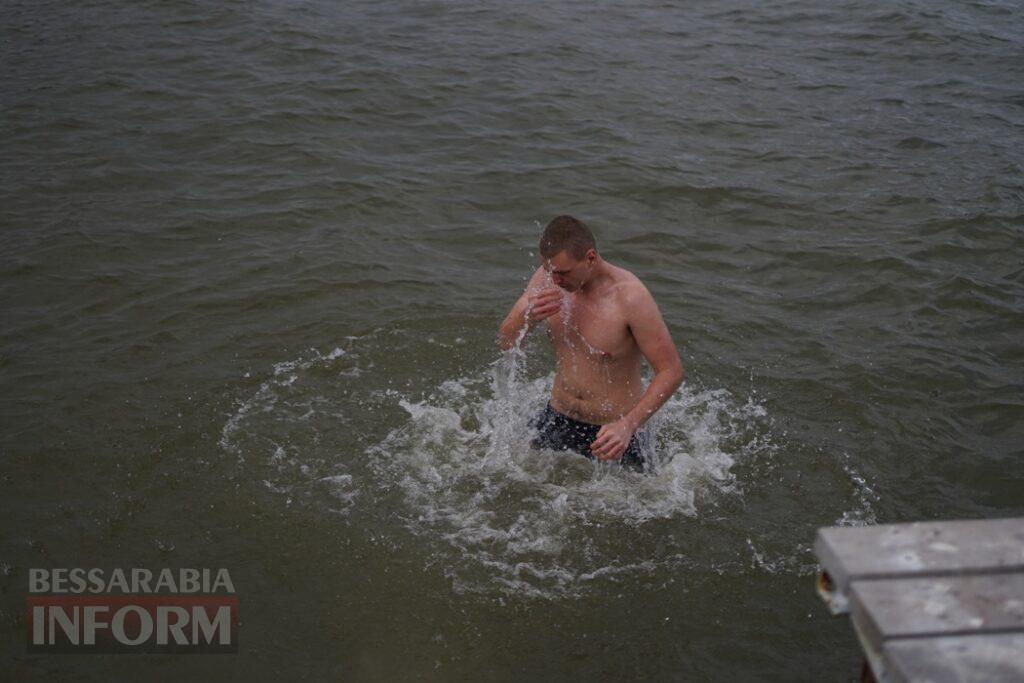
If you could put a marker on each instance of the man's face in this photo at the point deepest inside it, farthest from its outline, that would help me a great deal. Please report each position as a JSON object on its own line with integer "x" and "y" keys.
{"x": 569, "y": 273}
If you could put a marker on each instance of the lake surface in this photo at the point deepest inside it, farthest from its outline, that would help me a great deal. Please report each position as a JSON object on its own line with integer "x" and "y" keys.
{"x": 254, "y": 257}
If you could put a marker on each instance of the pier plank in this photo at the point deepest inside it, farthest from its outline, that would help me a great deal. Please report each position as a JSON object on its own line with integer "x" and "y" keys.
{"x": 917, "y": 549}
{"x": 987, "y": 658}
{"x": 938, "y": 606}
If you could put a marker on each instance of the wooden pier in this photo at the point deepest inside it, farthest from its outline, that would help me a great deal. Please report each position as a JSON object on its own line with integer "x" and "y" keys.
{"x": 936, "y": 602}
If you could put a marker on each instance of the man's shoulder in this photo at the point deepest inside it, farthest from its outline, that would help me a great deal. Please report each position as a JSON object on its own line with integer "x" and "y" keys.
{"x": 629, "y": 289}
{"x": 537, "y": 277}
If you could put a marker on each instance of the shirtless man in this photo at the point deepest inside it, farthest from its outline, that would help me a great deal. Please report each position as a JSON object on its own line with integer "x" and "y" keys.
{"x": 600, "y": 321}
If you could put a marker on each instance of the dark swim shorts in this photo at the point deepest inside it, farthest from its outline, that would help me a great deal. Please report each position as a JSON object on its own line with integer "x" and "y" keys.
{"x": 560, "y": 432}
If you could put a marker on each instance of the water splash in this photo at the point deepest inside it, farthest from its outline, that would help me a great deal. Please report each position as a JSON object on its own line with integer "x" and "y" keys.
{"x": 543, "y": 522}
{"x": 865, "y": 497}
{"x": 281, "y": 423}
{"x": 452, "y": 466}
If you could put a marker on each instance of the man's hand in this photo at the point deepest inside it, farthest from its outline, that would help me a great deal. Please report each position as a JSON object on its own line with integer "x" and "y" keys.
{"x": 543, "y": 304}
{"x": 612, "y": 440}
{"x": 535, "y": 304}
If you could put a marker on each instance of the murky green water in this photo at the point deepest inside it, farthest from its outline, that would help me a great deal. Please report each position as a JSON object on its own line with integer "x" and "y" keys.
{"x": 254, "y": 256}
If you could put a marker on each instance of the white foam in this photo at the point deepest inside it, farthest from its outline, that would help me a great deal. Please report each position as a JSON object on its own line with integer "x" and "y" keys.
{"x": 459, "y": 474}
{"x": 539, "y": 521}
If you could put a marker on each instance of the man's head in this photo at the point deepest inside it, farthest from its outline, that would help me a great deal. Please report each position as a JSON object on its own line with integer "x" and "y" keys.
{"x": 569, "y": 252}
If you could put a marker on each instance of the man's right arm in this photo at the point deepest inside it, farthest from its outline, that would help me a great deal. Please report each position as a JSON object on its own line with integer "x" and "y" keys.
{"x": 523, "y": 316}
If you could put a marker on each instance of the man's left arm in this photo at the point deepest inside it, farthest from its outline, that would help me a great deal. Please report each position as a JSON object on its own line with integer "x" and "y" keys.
{"x": 655, "y": 342}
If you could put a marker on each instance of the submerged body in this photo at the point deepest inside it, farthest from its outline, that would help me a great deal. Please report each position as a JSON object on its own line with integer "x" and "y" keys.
{"x": 560, "y": 432}
{"x": 601, "y": 322}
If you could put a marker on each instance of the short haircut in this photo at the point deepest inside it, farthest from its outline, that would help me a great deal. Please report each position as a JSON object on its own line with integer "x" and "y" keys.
{"x": 565, "y": 233}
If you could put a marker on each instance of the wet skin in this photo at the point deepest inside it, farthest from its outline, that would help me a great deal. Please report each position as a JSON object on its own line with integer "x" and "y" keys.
{"x": 601, "y": 322}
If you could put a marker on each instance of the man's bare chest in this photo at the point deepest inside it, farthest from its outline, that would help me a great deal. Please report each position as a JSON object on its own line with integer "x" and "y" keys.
{"x": 595, "y": 329}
